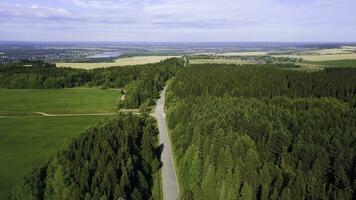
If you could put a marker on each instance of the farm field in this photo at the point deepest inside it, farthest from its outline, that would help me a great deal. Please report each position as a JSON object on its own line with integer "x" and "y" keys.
{"x": 137, "y": 60}
{"x": 27, "y": 142}
{"x": 337, "y": 63}
{"x": 320, "y": 57}
{"x": 219, "y": 61}
{"x": 64, "y": 101}
{"x": 329, "y": 51}
{"x": 247, "y": 53}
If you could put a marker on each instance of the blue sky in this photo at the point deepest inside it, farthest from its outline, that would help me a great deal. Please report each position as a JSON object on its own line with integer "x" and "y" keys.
{"x": 178, "y": 20}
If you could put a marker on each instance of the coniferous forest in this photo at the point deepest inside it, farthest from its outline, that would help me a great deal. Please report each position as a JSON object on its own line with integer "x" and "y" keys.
{"x": 115, "y": 160}
{"x": 259, "y": 132}
{"x": 238, "y": 132}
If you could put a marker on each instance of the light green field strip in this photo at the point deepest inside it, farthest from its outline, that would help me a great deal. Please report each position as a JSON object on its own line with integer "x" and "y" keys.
{"x": 219, "y": 61}
{"x": 58, "y": 101}
{"x": 137, "y": 60}
{"x": 322, "y": 57}
{"x": 337, "y": 63}
{"x": 245, "y": 53}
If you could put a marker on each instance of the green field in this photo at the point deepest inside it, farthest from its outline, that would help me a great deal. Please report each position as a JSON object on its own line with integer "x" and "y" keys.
{"x": 27, "y": 142}
{"x": 219, "y": 61}
{"x": 337, "y": 63}
{"x": 80, "y": 100}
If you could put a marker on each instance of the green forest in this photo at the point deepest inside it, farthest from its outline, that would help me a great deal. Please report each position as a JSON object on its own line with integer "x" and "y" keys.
{"x": 114, "y": 160}
{"x": 260, "y": 132}
{"x": 141, "y": 83}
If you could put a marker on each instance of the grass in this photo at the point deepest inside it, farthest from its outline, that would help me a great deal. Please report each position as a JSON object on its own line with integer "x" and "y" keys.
{"x": 218, "y": 61}
{"x": 337, "y": 63}
{"x": 27, "y": 142}
{"x": 245, "y": 53}
{"x": 157, "y": 186}
{"x": 58, "y": 101}
{"x": 136, "y": 60}
{"x": 319, "y": 57}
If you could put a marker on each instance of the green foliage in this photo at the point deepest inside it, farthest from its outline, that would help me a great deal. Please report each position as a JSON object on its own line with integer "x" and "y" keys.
{"x": 115, "y": 160}
{"x": 264, "y": 81}
{"x": 263, "y": 133}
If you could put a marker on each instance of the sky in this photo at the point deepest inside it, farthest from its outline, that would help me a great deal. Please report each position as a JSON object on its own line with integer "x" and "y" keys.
{"x": 178, "y": 20}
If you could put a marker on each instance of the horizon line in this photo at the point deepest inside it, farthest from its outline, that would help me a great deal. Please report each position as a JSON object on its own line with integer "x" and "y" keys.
{"x": 93, "y": 41}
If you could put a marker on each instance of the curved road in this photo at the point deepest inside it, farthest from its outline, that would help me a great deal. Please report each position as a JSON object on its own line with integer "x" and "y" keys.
{"x": 169, "y": 178}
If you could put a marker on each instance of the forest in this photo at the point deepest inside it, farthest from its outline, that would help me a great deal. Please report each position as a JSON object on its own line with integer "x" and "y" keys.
{"x": 141, "y": 83}
{"x": 260, "y": 132}
{"x": 114, "y": 160}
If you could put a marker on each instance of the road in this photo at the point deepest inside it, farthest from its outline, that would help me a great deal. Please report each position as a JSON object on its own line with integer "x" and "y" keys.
{"x": 169, "y": 177}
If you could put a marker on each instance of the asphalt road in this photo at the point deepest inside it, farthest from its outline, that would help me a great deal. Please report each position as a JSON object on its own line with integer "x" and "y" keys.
{"x": 169, "y": 177}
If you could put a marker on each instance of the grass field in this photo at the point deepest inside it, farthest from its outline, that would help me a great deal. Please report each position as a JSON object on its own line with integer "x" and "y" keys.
{"x": 58, "y": 100}
{"x": 247, "y": 53}
{"x": 27, "y": 142}
{"x": 337, "y": 63}
{"x": 219, "y": 61}
{"x": 330, "y": 51}
{"x": 137, "y": 60}
{"x": 316, "y": 57}
{"x": 157, "y": 187}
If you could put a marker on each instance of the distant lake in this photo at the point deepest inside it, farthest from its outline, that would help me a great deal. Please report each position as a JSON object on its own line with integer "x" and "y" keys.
{"x": 105, "y": 54}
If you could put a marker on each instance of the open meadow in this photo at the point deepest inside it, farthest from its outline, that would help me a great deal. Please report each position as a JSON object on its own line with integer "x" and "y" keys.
{"x": 54, "y": 101}
{"x": 244, "y": 53}
{"x": 27, "y": 142}
{"x": 337, "y": 63}
{"x": 322, "y": 57}
{"x": 137, "y": 60}
{"x": 219, "y": 61}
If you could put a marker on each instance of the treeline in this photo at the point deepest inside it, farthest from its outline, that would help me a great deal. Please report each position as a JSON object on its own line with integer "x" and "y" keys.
{"x": 115, "y": 160}
{"x": 245, "y": 132}
{"x": 142, "y": 82}
{"x": 265, "y": 81}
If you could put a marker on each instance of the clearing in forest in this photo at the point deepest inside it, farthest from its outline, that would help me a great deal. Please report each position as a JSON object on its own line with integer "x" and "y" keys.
{"x": 54, "y": 101}
{"x": 28, "y": 139}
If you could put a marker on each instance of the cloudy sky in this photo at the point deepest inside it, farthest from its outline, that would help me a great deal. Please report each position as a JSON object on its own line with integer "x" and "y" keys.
{"x": 178, "y": 20}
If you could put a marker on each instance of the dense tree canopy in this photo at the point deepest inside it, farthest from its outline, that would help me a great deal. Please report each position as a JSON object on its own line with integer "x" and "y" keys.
{"x": 115, "y": 160}
{"x": 265, "y": 81}
{"x": 249, "y": 132}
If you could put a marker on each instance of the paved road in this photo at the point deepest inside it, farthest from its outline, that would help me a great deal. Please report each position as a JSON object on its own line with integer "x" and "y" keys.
{"x": 169, "y": 178}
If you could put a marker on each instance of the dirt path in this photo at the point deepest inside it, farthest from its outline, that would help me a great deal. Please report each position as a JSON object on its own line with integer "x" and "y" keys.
{"x": 44, "y": 114}
{"x": 72, "y": 115}
{"x": 169, "y": 178}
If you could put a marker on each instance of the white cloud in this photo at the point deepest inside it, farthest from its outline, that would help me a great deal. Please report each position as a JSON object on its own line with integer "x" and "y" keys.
{"x": 33, "y": 11}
